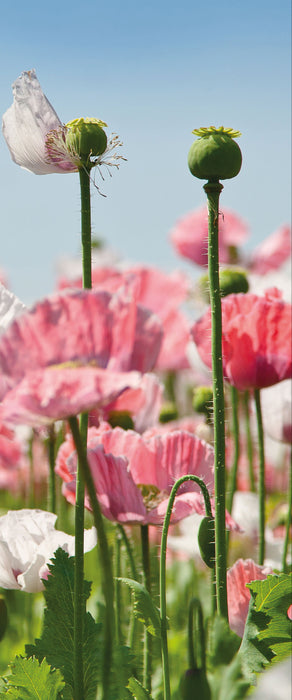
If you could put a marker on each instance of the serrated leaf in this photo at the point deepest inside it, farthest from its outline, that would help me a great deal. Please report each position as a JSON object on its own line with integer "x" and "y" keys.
{"x": 56, "y": 642}
{"x": 222, "y": 643}
{"x": 267, "y": 634}
{"x": 137, "y": 690}
{"x": 143, "y": 607}
{"x": 30, "y": 680}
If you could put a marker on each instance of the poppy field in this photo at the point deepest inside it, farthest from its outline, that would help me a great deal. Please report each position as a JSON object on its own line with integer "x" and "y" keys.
{"x": 145, "y": 447}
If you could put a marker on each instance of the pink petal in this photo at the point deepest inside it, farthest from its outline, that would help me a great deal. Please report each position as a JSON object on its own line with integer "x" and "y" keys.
{"x": 256, "y": 340}
{"x": 53, "y": 394}
{"x": 190, "y": 235}
{"x": 273, "y": 252}
{"x": 242, "y": 572}
{"x": 85, "y": 327}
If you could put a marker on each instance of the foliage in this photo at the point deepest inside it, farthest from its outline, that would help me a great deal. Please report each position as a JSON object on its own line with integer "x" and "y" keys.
{"x": 31, "y": 680}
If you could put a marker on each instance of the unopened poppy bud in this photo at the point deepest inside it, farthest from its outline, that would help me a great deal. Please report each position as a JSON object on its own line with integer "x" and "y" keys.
{"x": 203, "y": 400}
{"x": 86, "y": 138}
{"x": 231, "y": 281}
{"x": 3, "y": 617}
{"x": 215, "y": 155}
{"x": 194, "y": 684}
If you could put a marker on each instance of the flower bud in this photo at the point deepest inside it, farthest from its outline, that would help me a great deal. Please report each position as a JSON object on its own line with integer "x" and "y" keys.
{"x": 206, "y": 540}
{"x": 203, "y": 400}
{"x": 231, "y": 281}
{"x": 194, "y": 684}
{"x": 215, "y": 155}
{"x": 86, "y": 138}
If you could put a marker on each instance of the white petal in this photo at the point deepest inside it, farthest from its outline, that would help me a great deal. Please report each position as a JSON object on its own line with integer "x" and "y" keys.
{"x": 26, "y": 124}
{"x": 10, "y": 308}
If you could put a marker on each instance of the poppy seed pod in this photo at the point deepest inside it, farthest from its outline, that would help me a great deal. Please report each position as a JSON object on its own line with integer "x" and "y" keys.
{"x": 215, "y": 155}
{"x": 86, "y": 137}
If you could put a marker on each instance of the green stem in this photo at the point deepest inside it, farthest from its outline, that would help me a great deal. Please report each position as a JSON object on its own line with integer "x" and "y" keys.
{"x": 289, "y": 520}
{"x": 79, "y": 506}
{"x": 235, "y": 432}
{"x": 105, "y": 563}
{"x": 147, "y": 581}
{"x": 213, "y": 190}
{"x": 118, "y": 586}
{"x": 134, "y": 573}
{"x": 52, "y": 474}
{"x": 163, "y": 617}
{"x": 249, "y": 442}
{"x": 196, "y": 644}
{"x": 262, "y": 489}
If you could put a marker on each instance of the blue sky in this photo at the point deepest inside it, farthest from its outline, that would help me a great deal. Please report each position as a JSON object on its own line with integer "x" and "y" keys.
{"x": 153, "y": 72}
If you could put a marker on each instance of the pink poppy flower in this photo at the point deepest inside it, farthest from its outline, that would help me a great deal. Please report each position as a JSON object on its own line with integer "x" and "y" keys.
{"x": 242, "y": 572}
{"x": 161, "y": 293}
{"x": 74, "y": 352}
{"x": 190, "y": 236}
{"x": 142, "y": 404}
{"x": 256, "y": 339}
{"x": 272, "y": 252}
{"x": 36, "y": 137}
{"x": 134, "y": 474}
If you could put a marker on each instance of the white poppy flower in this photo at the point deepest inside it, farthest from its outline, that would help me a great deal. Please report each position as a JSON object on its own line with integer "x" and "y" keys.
{"x": 28, "y": 540}
{"x": 36, "y": 137}
{"x": 10, "y": 308}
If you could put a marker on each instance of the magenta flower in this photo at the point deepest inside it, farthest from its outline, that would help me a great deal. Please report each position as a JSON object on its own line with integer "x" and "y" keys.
{"x": 134, "y": 475}
{"x": 190, "y": 236}
{"x": 241, "y": 573}
{"x": 73, "y": 352}
{"x": 256, "y": 339}
{"x": 36, "y": 137}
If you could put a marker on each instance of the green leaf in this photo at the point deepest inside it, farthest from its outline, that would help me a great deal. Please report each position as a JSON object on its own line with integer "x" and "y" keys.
{"x": 137, "y": 690}
{"x": 56, "y": 642}
{"x": 144, "y": 608}
{"x": 225, "y": 671}
{"x": 120, "y": 673}
{"x": 30, "y": 680}
{"x": 267, "y": 634}
{"x": 222, "y": 643}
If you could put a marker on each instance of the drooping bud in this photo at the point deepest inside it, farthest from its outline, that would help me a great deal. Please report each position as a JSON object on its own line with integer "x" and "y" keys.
{"x": 206, "y": 540}
{"x": 215, "y": 155}
{"x": 86, "y": 138}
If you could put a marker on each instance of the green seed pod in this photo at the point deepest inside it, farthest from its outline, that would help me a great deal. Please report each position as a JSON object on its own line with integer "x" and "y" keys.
{"x": 86, "y": 137}
{"x": 206, "y": 539}
{"x": 168, "y": 412}
{"x": 215, "y": 155}
{"x": 121, "y": 419}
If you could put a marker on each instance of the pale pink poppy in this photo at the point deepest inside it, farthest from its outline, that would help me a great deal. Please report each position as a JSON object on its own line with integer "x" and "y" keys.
{"x": 242, "y": 572}
{"x": 142, "y": 404}
{"x": 134, "y": 474}
{"x": 256, "y": 339}
{"x": 161, "y": 293}
{"x": 272, "y": 252}
{"x": 36, "y": 137}
{"x": 12, "y": 459}
{"x": 190, "y": 236}
{"x": 73, "y": 352}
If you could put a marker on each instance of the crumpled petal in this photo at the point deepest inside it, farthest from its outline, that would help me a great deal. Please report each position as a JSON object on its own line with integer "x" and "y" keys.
{"x": 26, "y": 125}
{"x": 242, "y": 572}
{"x": 51, "y": 394}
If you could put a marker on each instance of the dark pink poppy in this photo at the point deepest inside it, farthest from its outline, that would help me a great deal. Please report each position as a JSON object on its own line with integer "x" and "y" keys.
{"x": 190, "y": 236}
{"x": 242, "y": 572}
{"x": 272, "y": 252}
{"x": 73, "y": 352}
{"x": 256, "y": 339}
